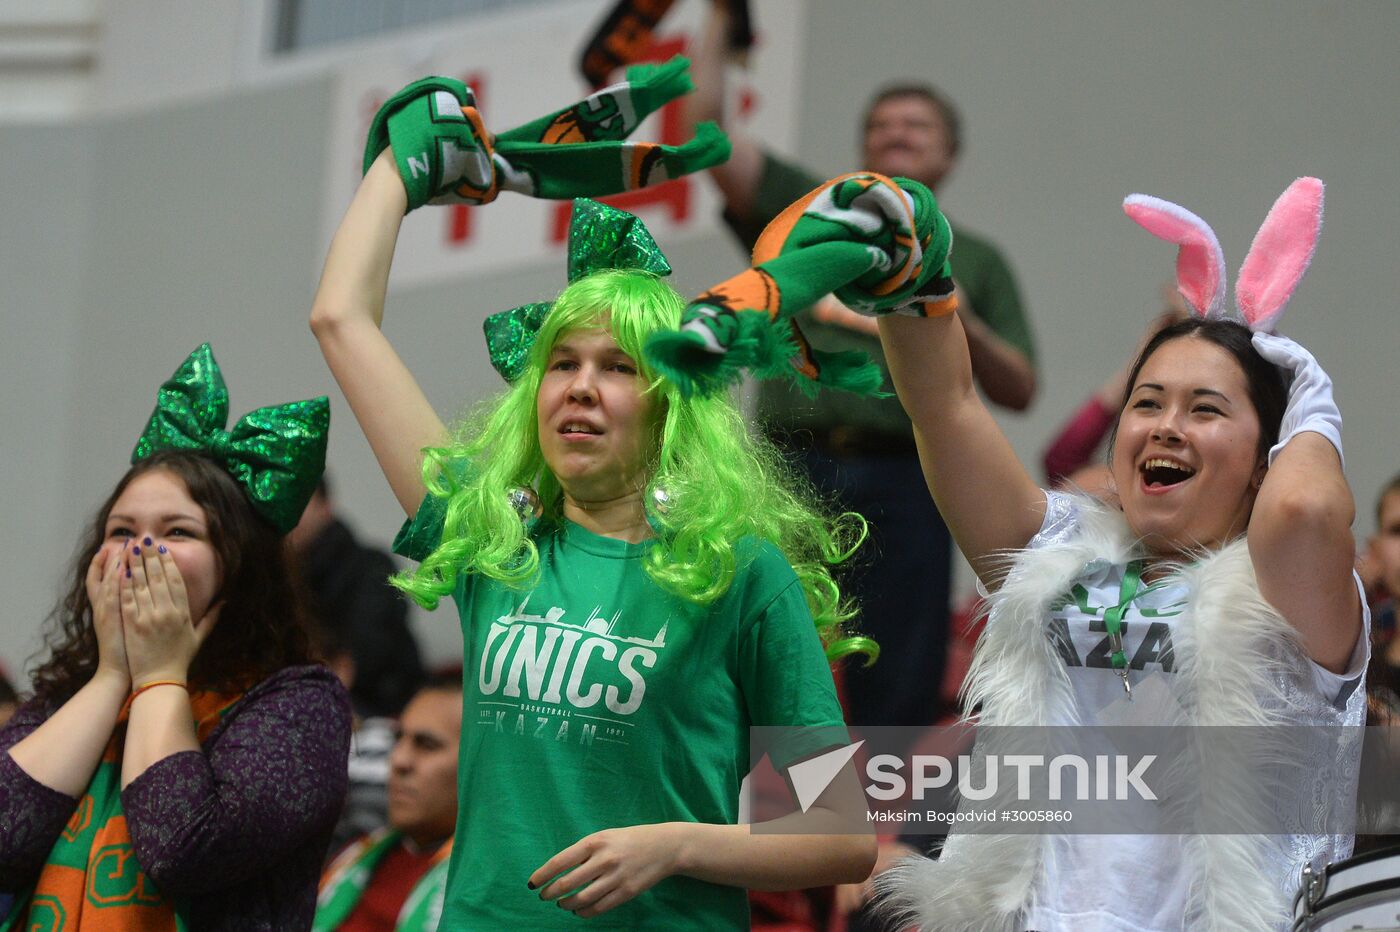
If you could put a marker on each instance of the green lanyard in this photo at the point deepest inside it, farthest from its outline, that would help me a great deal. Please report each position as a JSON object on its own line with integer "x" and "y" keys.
{"x": 1113, "y": 620}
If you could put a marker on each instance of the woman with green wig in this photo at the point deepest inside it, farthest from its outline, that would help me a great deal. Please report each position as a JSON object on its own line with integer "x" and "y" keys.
{"x": 639, "y": 582}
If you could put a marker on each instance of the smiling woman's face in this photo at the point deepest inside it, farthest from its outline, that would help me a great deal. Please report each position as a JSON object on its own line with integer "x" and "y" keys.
{"x": 156, "y": 506}
{"x": 1186, "y": 460}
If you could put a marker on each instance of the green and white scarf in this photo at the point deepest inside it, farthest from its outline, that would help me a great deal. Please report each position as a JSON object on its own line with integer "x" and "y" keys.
{"x": 446, "y": 156}
{"x": 345, "y": 881}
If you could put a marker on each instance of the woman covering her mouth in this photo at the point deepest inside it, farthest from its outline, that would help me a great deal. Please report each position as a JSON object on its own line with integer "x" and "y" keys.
{"x": 639, "y": 581}
{"x": 1220, "y": 593}
{"x": 181, "y": 763}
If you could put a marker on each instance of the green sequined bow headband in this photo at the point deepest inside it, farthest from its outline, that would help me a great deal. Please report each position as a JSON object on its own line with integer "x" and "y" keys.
{"x": 276, "y": 453}
{"x": 600, "y": 237}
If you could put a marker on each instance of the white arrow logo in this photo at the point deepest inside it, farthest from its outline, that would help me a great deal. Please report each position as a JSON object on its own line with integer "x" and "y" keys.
{"x": 811, "y": 777}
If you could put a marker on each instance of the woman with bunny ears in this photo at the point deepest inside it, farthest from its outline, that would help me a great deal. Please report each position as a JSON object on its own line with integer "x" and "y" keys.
{"x": 1221, "y": 592}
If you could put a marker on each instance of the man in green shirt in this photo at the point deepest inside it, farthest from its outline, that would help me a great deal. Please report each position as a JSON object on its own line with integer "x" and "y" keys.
{"x": 862, "y": 448}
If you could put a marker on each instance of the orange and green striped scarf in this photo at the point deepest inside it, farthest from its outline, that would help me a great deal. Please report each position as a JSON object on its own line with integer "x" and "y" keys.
{"x": 879, "y": 244}
{"x": 445, "y": 155}
{"x": 91, "y": 881}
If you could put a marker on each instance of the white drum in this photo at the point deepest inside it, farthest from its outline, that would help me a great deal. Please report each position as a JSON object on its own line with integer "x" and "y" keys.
{"x": 1360, "y": 894}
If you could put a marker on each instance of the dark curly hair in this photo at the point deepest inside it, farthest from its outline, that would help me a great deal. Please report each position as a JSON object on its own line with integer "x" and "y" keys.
{"x": 262, "y": 626}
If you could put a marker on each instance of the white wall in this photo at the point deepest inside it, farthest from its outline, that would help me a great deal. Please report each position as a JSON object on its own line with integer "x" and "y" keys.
{"x": 130, "y": 238}
{"x": 161, "y": 51}
{"x": 47, "y": 52}
{"x": 50, "y": 176}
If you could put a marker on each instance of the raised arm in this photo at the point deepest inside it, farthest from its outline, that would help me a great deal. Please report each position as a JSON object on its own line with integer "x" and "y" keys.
{"x": 985, "y": 495}
{"x": 738, "y": 178}
{"x": 392, "y": 410}
{"x": 1300, "y": 530}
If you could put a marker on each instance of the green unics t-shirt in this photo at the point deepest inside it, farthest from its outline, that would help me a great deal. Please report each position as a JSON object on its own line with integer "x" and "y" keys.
{"x": 596, "y": 700}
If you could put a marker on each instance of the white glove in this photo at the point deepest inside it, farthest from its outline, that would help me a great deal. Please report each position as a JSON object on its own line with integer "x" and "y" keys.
{"x": 1310, "y": 406}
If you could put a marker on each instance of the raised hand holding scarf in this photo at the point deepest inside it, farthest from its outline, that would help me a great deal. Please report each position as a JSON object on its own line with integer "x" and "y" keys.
{"x": 446, "y": 156}
{"x": 879, "y": 244}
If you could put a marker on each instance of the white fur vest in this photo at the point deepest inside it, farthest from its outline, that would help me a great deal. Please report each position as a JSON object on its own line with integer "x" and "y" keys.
{"x": 987, "y": 881}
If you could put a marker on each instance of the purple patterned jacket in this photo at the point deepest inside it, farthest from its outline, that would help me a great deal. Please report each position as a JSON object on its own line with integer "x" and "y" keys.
{"x": 238, "y": 833}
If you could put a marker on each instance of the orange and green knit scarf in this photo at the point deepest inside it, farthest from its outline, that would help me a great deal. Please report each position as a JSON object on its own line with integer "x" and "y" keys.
{"x": 445, "y": 155}
{"x": 878, "y": 244}
{"x": 91, "y": 881}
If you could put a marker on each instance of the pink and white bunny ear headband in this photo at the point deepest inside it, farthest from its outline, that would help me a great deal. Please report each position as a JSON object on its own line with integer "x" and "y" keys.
{"x": 1277, "y": 259}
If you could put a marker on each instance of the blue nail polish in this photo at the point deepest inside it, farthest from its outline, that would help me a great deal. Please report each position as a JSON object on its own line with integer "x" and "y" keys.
{"x": 529, "y": 885}
{"x": 128, "y": 572}
{"x": 161, "y": 548}
{"x": 136, "y": 551}
{"x": 147, "y": 542}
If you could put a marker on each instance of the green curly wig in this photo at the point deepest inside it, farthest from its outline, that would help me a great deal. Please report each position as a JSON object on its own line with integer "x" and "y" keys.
{"x": 723, "y": 485}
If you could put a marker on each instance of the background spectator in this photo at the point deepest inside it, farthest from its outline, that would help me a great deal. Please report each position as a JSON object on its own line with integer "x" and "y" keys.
{"x": 861, "y": 449}
{"x": 350, "y": 597}
{"x": 1380, "y": 568}
{"x": 393, "y": 879}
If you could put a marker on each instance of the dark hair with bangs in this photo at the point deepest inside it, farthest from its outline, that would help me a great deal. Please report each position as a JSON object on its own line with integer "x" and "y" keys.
{"x": 1267, "y": 392}
{"x": 262, "y": 625}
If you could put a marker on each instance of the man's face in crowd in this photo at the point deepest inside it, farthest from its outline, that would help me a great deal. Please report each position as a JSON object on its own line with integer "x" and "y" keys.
{"x": 906, "y": 136}
{"x": 423, "y": 767}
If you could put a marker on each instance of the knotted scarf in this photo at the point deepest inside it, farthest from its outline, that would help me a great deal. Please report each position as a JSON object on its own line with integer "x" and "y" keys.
{"x": 879, "y": 244}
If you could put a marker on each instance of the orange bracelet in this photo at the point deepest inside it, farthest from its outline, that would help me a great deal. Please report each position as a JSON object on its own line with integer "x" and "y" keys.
{"x": 126, "y": 706}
